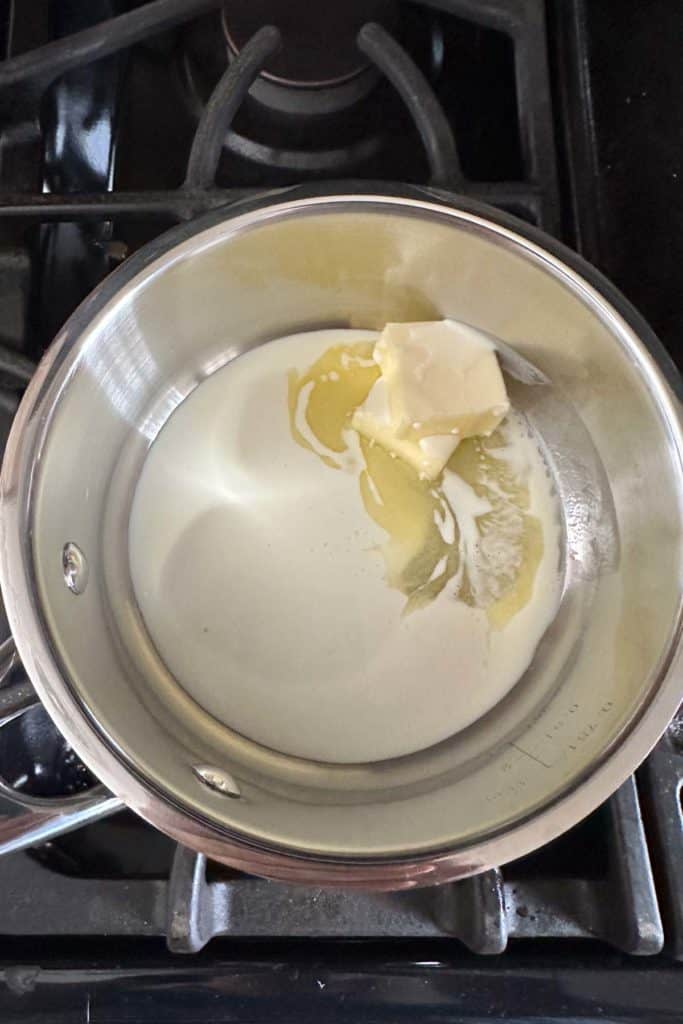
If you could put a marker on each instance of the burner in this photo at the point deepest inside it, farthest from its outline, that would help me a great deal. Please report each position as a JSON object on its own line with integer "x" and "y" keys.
{"x": 318, "y": 42}
{"x": 317, "y": 87}
{"x": 319, "y": 69}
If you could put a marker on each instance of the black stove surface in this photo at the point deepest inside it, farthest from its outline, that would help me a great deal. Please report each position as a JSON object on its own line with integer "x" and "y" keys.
{"x": 562, "y": 112}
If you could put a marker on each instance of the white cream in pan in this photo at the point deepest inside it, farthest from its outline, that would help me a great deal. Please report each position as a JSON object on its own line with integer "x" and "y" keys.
{"x": 285, "y": 609}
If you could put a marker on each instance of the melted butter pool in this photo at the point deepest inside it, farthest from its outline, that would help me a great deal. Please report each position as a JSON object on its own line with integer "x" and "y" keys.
{"x": 486, "y": 485}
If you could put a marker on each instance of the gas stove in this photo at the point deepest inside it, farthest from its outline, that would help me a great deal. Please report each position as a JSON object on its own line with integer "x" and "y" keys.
{"x": 119, "y": 121}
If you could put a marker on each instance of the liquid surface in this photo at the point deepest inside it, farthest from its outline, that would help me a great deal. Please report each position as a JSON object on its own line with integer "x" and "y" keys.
{"x": 472, "y": 526}
{"x": 312, "y": 592}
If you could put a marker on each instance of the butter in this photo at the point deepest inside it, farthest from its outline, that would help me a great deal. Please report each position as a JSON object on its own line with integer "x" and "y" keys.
{"x": 372, "y": 420}
{"x": 476, "y": 528}
{"x": 440, "y": 383}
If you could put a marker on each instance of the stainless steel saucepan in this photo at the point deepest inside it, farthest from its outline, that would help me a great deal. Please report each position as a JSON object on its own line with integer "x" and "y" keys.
{"x": 607, "y": 676}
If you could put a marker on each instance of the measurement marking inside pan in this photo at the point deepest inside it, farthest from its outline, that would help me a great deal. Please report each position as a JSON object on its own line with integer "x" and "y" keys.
{"x": 532, "y": 756}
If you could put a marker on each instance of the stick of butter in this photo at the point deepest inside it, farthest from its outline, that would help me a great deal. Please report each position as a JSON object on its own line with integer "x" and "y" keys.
{"x": 440, "y": 382}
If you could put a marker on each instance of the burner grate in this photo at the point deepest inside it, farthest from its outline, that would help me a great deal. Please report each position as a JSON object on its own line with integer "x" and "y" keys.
{"x": 26, "y": 77}
{"x": 662, "y": 797}
{"x": 200, "y": 902}
{"x": 483, "y": 912}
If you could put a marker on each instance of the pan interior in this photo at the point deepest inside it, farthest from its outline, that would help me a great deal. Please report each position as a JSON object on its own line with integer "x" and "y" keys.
{"x": 319, "y": 657}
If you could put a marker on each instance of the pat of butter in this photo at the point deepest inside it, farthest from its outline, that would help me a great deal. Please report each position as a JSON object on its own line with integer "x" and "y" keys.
{"x": 440, "y": 383}
{"x": 428, "y": 455}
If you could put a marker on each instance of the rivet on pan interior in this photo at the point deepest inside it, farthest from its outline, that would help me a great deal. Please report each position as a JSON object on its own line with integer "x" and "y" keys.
{"x": 75, "y": 568}
{"x": 216, "y": 778}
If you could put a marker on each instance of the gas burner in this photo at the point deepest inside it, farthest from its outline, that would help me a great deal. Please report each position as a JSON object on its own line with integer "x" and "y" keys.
{"x": 312, "y": 110}
{"x": 319, "y": 68}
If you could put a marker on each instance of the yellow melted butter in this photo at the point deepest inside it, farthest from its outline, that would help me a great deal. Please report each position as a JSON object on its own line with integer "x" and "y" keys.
{"x": 505, "y": 584}
{"x": 334, "y": 386}
{"x": 422, "y": 553}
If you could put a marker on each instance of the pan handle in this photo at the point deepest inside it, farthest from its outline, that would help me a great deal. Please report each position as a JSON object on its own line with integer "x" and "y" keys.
{"x": 16, "y": 692}
{"x": 25, "y": 820}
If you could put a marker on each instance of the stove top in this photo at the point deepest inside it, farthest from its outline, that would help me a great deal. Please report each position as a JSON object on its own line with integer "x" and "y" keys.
{"x": 557, "y": 111}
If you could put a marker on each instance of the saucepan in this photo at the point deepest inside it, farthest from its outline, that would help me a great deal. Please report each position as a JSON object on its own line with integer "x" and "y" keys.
{"x": 593, "y": 383}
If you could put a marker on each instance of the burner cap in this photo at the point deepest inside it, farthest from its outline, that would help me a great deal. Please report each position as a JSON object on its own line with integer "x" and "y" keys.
{"x": 318, "y": 39}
